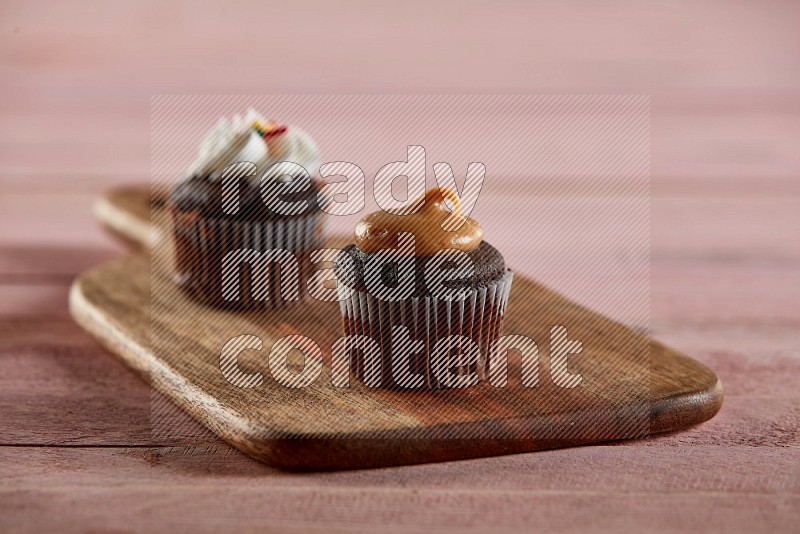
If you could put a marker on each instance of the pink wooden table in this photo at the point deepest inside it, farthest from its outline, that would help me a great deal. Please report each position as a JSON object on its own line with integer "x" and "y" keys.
{"x": 76, "y": 448}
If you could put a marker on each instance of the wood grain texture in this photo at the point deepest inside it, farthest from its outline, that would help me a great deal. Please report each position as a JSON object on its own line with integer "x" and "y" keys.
{"x": 78, "y": 78}
{"x": 633, "y": 386}
{"x": 602, "y": 488}
{"x": 746, "y": 346}
{"x": 724, "y": 79}
{"x": 125, "y": 213}
{"x": 59, "y": 387}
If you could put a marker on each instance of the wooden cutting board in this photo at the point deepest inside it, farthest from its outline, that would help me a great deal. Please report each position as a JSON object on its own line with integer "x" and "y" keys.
{"x": 632, "y": 386}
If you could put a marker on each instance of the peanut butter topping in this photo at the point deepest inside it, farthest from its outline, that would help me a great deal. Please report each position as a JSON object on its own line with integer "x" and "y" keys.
{"x": 434, "y": 227}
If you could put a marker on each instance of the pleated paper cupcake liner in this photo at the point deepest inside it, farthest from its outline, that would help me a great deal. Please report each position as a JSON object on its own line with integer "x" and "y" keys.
{"x": 427, "y": 320}
{"x": 201, "y": 245}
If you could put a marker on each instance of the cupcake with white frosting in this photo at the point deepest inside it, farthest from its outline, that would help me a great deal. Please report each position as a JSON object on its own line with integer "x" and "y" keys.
{"x": 247, "y": 214}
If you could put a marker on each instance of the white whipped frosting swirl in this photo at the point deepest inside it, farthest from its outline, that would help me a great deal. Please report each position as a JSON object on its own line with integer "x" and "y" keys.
{"x": 236, "y": 139}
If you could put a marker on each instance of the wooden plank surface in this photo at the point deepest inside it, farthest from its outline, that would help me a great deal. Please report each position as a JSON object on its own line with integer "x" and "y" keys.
{"x": 77, "y": 81}
{"x": 115, "y": 303}
{"x": 206, "y": 489}
{"x": 744, "y": 348}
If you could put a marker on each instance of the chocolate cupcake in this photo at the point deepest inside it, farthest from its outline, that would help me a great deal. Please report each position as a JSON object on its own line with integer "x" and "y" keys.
{"x": 422, "y": 297}
{"x": 247, "y": 215}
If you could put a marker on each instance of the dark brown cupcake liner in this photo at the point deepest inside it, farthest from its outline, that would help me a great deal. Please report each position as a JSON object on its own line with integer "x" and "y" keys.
{"x": 201, "y": 245}
{"x": 478, "y": 317}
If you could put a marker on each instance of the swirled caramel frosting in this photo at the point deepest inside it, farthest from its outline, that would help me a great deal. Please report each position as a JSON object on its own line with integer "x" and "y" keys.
{"x": 432, "y": 224}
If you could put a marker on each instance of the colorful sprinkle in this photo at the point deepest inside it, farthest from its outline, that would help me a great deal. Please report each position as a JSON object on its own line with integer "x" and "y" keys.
{"x": 269, "y": 129}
